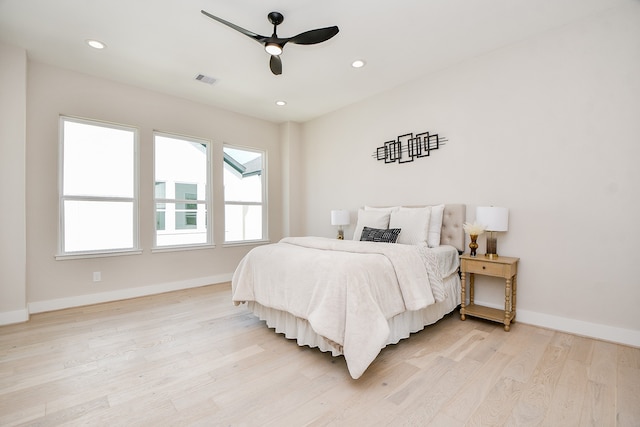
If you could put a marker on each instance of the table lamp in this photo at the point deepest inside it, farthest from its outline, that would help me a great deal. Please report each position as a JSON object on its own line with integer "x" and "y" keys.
{"x": 494, "y": 219}
{"x": 340, "y": 218}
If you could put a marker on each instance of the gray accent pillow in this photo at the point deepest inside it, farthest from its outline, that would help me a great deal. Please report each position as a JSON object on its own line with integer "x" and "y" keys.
{"x": 389, "y": 235}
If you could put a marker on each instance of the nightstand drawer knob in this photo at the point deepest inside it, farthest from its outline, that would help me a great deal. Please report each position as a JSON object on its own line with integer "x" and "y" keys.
{"x": 484, "y": 267}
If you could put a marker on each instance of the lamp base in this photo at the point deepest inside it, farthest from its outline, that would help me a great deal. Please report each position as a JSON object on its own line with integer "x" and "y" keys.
{"x": 340, "y": 234}
{"x": 492, "y": 246}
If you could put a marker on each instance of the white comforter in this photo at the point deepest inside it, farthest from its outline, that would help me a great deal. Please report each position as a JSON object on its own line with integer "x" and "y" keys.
{"x": 346, "y": 290}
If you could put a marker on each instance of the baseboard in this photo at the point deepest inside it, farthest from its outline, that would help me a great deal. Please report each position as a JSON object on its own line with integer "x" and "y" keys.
{"x": 15, "y": 316}
{"x": 121, "y": 294}
{"x": 577, "y": 327}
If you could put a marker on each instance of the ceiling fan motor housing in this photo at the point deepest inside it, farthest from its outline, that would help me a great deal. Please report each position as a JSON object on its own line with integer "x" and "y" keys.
{"x": 275, "y": 18}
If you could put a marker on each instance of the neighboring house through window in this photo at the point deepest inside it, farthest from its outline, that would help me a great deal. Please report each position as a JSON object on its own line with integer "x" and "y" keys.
{"x": 181, "y": 175}
{"x": 98, "y": 187}
{"x": 244, "y": 195}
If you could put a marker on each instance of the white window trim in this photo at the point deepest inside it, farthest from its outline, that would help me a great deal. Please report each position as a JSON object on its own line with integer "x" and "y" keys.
{"x": 61, "y": 253}
{"x": 208, "y": 199}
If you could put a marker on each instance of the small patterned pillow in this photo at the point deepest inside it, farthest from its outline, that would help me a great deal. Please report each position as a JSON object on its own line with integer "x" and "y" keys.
{"x": 378, "y": 235}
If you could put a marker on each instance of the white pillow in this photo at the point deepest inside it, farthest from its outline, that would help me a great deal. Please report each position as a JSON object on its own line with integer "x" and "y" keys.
{"x": 414, "y": 223}
{"x": 371, "y": 218}
{"x": 435, "y": 226}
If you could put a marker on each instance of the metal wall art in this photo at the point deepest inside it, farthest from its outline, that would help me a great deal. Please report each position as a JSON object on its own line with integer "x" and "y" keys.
{"x": 408, "y": 147}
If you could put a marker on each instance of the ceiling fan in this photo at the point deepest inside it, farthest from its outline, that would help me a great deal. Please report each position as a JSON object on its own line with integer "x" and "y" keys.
{"x": 274, "y": 44}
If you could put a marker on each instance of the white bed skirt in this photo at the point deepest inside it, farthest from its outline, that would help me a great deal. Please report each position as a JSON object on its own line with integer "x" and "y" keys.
{"x": 401, "y": 326}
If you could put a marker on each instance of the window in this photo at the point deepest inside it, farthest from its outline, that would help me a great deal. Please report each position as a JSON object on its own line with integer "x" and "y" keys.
{"x": 98, "y": 187}
{"x": 244, "y": 195}
{"x": 181, "y": 182}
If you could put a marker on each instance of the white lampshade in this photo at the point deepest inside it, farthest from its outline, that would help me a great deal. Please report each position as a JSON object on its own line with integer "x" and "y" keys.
{"x": 493, "y": 218}
{"x": 339, "y": 217}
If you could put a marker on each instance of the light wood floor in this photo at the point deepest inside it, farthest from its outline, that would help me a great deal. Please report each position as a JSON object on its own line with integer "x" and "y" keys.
{"x": 192, "y": 358}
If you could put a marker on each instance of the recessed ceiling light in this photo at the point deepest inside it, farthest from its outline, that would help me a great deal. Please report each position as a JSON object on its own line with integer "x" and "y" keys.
{"x": 96, "y": 44}
{"x": 358, "y": 63}
{"x": 281, "y": 103}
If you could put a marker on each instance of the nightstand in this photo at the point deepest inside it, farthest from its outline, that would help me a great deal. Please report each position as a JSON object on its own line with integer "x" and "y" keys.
{"x": 504, "y": 267}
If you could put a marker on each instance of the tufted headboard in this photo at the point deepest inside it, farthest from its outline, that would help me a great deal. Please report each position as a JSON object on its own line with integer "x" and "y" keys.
{"x": 452, "y": 232}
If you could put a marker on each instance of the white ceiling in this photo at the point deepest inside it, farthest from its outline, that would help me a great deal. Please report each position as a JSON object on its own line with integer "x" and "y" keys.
{"x": 163, "y": 44}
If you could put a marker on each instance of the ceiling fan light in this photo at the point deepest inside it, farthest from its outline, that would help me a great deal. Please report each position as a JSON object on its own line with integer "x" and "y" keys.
{"x": 273, "y": 49}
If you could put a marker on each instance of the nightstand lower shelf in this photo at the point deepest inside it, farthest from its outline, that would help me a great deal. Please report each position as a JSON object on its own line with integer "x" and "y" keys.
{"x": 487, "y": 313}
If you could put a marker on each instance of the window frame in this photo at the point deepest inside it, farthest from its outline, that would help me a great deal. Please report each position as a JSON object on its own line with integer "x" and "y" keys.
{"x": 264, "y": 204}
{"x": 62, "y": 253}
{"x": 208, "y": 203}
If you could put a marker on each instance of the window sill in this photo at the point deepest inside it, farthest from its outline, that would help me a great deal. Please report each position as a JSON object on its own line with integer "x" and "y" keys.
{"x": 246, "y": 243}
{"x": 161, "y": 249}
{"x": 83, "y": 255}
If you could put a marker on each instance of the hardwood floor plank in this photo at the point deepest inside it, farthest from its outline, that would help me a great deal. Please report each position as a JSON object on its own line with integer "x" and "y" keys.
{"x": 475, "y": 390}
{"x": 444, "y": 337}
{"x": 71, "y": 414}
{"x": 440, "y": 420}
{"x": 603, "y": 363}
{"x": 581, "y": 350}
{"x": 432, "y": 397}
{"x": 599, "y": 407}
{"x": 401, "y": 393}
{"x": 144, "y": 411}
{"x": 524, "y": 361}
{"x": 568, "y": 398}
{"x": 201, "y": 413}
{"x": 25, "y": 414}
{"x": 290, "y": 395}
{"x": 492, "y": 341}
{"x": 628, "y": 399}
{"x": 498, "y": 404}
{"x": 628, "y": 357}
{"x": 313, "y": 411}
{"x": 537, "y": 393}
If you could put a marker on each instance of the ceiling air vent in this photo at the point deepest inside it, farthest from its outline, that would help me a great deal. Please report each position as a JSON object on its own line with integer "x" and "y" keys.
{"x": 205, "y": 79}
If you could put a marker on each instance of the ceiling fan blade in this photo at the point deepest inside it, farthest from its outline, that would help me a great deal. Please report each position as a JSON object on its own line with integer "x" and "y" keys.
{"x": 275, "y": 63}
{"x": 315, "y": 36}
{"x": 256, "y": 37}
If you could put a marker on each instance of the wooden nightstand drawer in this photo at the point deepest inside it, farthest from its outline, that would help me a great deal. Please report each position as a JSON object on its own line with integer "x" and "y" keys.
{"x": 484, "y": 268}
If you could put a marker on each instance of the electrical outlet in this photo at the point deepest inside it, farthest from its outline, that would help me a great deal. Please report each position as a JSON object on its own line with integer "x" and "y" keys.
{"x": 97, "y": 276}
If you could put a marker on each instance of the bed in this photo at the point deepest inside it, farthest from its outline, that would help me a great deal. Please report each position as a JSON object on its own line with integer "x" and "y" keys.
{"x": 352, "y": 297}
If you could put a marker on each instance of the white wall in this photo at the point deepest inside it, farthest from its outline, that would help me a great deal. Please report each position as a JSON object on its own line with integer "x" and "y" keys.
{"x": 13, "y": 96}
{"x": 53, "y": 283}
{"x": 549, "y": 128}
{"x": 292, "y": 177}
